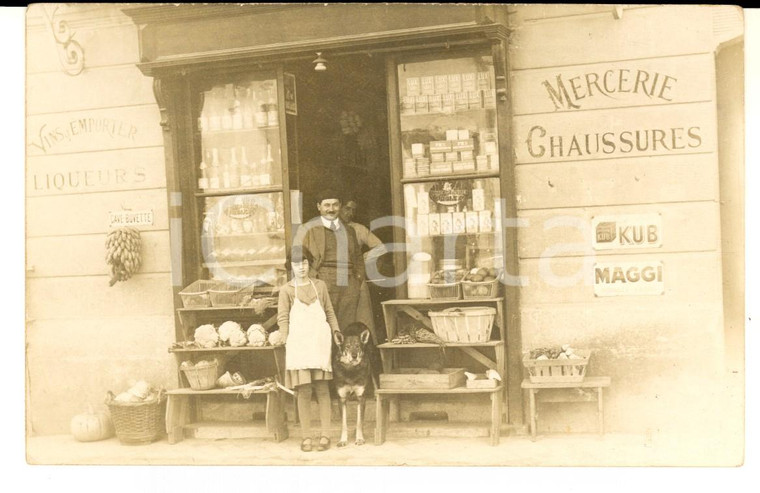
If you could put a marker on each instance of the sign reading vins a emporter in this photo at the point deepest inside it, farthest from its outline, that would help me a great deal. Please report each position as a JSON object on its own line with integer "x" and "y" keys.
{"x": 628, "y": 278}
{"x": 613, "y": 232}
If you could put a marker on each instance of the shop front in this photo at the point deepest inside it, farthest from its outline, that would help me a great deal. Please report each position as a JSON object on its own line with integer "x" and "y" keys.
{"x": 534, "y": 177}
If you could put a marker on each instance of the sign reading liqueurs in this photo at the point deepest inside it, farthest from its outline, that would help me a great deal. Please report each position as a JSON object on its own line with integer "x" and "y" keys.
{"x": 118, "y": 219}
{"x": 622, "y": 231}
{"x": 628, "y": 278}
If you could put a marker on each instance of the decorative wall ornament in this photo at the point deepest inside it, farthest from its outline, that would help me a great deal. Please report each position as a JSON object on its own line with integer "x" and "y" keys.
{"x": 70, "y": 52}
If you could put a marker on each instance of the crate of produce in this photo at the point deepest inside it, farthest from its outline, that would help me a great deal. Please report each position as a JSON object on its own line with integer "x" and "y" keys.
{"x": 422, "y": 378}
{"x": 445, "y": 291}
{"x": 196, "y": 295}
{"x": 463, "y": 324}
{"x": 140, "y": 422}
{"x": 549, "y": 365}
{"x": 201, "y": 375}
{"x": 230, "y": 294}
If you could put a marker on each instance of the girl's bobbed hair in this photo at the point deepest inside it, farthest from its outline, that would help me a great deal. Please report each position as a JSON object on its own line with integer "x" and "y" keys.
{"x": 298, "y": 254}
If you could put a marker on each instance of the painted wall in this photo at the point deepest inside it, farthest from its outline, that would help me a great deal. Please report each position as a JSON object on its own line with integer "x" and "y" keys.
{"x": 94, "y": 146}
{"x": 583, "y": 84}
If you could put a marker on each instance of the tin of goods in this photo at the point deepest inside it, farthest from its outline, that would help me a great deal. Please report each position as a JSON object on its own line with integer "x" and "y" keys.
{"x": 423, "y": 202}
{"x": 452, "y": 156}
{"x": 421, "y": 104}
{"x": 423, "y": 171}
{"x": 452, "y": 134}
{"x": 437, "y": 157}
{"x": 422, "y": 161}
{"x": 435, "y": 103}
{"x": 472, "y": 222}
{"x": 490, "y": 148}
{"x": 470, "y": 82}
{"x": 427, "y": 85}
{"x": 482, "y": 163}
{"x": 455, "y": 83}
{"x": 489, "y": 99}
{"x": 203, "y": 183}
{"x": 466, "y": 155}
{"x": 484, "y": 81}
{"x": 463, "y": 145}
{"x": 413, "y": 86}
{"x": 423, "y": 228}
{"x": 441, "y": 84}
{"x": 447, "y": 103}
{"x": 461, "y": 166}
{"x": 441, "y": 168}
{"x": 493, "y": 162}
{"x": 484, "y": 219}
{"x": 450, "y": 264}
{"x": 447, "y": 223}
{"x": 418, "y": 150}
{"x": 407, "y": 105}
{"x": 461, "y": 102}
{"x": 434, "y": 224}
{"x": 458, "y": 226}
{"x": 440, "y": 145}
{"x": 475, "y": 100}
{"x": 463, "y": 134}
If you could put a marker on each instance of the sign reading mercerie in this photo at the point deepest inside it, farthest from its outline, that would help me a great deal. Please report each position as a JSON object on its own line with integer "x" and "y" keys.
{"x": 118, "y": 219}
{"x": 612, "y": 232}
{"x": 628, "y": 278}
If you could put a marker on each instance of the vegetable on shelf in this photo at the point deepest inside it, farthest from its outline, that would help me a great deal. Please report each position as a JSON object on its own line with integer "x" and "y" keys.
{"x": 206, "y": 336}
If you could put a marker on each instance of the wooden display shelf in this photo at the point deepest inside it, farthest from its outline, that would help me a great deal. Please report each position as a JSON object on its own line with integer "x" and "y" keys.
{"x": 280, "y": 233}
{"x": 390, "y": 345}
{"x": 439, "y": 114}
{"x": 245, "y": 263}
{"x": 180, "y": 406}
{"x": 433, "y": 301}
{"x": 385, "y": 396}
{"x": 213, "y": 309}
{"x": 452, "y": 176}
{"x": 225, "y": 349}
{"x": 227, "y": 131}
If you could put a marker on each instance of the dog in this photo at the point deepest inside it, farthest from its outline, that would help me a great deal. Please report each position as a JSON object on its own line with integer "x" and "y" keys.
{"x": 352, "y": 373}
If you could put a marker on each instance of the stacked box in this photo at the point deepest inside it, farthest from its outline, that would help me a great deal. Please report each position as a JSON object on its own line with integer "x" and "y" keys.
{"x": 443, "y": 168}
{"x": 447, "y": 103}
{"x": 427, "y": 85}
{"x": 435, "y": 103}
{"x": 461, "y": 102}
{"x": 421, "y": 104}
{"x": 407, "y": 105}
{"x": 470, "y": 82}
{"x": 410, "y": 168}
{"x": 474, "y": 100}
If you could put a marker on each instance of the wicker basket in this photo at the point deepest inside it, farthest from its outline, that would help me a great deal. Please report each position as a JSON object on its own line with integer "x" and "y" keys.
{"x": 558, "y": 370}
{"x": 197, "y": 294}
{"x": 137, "y": 423}
{"x": 467, "y": 324}
{"x": 448, "y": 291}
{"x": 475, "y": 290}
{"x": 203, "y": 378}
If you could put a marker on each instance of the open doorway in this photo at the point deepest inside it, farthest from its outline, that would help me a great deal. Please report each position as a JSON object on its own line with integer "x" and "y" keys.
{"x": 339, "y": 141}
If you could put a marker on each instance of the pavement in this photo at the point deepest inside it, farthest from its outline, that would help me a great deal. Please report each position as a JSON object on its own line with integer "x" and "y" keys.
{"x": 513, "y": 450}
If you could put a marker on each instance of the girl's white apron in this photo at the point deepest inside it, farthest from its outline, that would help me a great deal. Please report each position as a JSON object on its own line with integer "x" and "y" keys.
{"x": 309, "y": 342}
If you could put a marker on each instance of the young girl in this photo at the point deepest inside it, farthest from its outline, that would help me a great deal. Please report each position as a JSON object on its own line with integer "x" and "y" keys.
{"x": 306, "y": 318}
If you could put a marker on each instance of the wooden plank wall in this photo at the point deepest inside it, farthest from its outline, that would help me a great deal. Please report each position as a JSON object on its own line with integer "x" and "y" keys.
{"x": 578, "y": 74}
{"x": 94, "y": 146}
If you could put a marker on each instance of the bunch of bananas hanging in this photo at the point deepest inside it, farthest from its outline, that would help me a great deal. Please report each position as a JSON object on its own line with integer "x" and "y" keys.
{"x": 123, "y": 253}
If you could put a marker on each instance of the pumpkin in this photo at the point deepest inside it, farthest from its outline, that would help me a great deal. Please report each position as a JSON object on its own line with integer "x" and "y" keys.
{"x": 91, "y": 426}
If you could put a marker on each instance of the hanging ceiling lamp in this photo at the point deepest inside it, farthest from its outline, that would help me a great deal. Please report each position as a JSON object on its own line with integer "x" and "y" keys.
{"x": 320, "y": 64}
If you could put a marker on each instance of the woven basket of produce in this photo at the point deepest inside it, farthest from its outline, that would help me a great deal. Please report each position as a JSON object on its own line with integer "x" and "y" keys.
{"x": 138, "y": 422}
{"x": 201, "y": 375}
{"x": 556, "y": 364}
{"x": 466, "y": 324}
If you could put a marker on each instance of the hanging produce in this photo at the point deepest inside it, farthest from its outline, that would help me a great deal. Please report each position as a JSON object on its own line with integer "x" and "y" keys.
{"x": 123, "y": 253}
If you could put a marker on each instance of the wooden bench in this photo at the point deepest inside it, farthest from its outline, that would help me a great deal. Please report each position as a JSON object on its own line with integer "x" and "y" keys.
{"x": 384, "y": 396}
{"x": 178, "y": 411}
{"x": 598, "y": 383}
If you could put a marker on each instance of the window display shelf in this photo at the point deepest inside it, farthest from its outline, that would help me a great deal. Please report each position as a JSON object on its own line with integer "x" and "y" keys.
{"x": 231, "y": 131}
{"x": 235, "y": 191}
{"x": 453, "y": 176}
{"x": 438, "y": 114}
{"x": 279, "y": 234}
{"x": 225, "y": 349}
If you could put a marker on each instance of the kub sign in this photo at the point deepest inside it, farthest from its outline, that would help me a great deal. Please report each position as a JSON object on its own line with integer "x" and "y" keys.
{"x": 617, "y": 232}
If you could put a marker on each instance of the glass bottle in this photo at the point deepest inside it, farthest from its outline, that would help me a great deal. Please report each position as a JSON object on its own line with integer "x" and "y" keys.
{"x": 261, "y": 113}
{"x": 214, "y": 170}
{"x": 272, "y": 113}
{"x": 215, "y": 115}
{"x": 234, "y": 169}
{"x": 266, "y": 168}
{"x": 203, "y": 183}
{"x": 227, "y": 107}
{"x": 248, "y": 107}
{"x": 478, "y": 197}
{"x": 237, "y": 110}
{"x": 245, "y": 169}
{"x": 226, "y": 175}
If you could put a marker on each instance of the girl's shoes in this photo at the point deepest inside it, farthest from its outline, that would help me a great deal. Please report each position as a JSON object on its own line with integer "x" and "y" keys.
{"x": 324, "y": 444}
{"x": 306, "y": 445}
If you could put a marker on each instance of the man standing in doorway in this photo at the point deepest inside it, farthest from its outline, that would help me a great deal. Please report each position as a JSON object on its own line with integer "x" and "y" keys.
{"x": 338, "y": 258}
